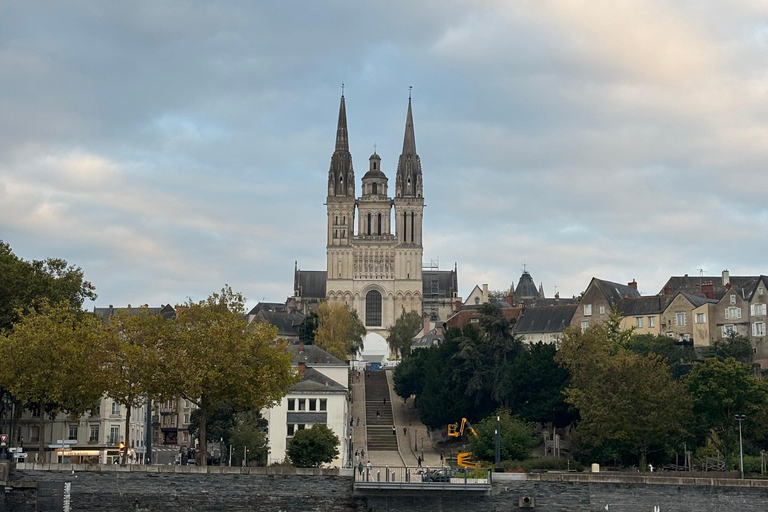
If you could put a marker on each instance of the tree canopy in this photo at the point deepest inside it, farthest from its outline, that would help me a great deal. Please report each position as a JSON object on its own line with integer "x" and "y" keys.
{"x": 339, "y": 331}
{"x": 309, "y": 448}
{"x": 217, "y": 357}
{"x": 401, "y": 334}
{"x": 517, "y": 437}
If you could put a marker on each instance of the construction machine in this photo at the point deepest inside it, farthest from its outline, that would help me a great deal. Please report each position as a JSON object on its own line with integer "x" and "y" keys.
{"x": 455, "y": 430}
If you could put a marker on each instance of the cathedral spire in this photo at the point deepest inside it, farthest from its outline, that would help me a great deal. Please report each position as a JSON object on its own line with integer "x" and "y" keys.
{"x": 341, "y": 176}
{"x": 408, "y": 180}
{"x": 342, "y": 138}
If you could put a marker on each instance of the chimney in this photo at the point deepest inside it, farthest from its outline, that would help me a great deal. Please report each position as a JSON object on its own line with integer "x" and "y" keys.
{"x": 511, "y": 298}
{"x": 425, "y": 321}
{"x": 708, "y": 289}
{"x": 302, "y": 367}
{"x": 485, "y": 294}
{"x": 727, "y": 286}
{"x": 633, "y": 284}
{"x": 668, "y": 290}
{"x": 301, "y": 347}
{"x": 726, "y": 277}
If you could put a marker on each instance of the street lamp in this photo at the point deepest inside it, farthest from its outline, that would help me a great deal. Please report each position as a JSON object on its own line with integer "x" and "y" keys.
{"x": 740, "y": 418}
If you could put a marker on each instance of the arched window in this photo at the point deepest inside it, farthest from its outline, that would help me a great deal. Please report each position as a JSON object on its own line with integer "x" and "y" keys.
{"x": 374, "y": 188}
{"x": 373, "y": 309}
{"x": 379, "y": 228}
{"x": 369, "y": 223}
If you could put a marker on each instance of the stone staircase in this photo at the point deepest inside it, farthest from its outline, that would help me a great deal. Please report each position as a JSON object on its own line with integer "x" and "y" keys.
{"x": 379, "y": 430}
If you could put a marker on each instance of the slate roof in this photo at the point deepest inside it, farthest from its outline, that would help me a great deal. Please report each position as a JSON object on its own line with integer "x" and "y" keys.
{"x": 287, "y": 323}
{"x": 698, "y": 300}
{"x": 652, "y": 305}
{"x": 267, "y": 306}
{"x": 313, "y": 355}
{"x": 104, "y": 313}
{"x": 614, "y": 292}
{"x": 526, "y": 288}
{"x": 446, "y": 283}
{"x": 545, "y": 319}
{"x": 692, "y": 285}
{"x": 428, "y": 340}
{"x": 753, "y": 289}
{"x": 313, "y": 380}
{"x": 310, "y": 283}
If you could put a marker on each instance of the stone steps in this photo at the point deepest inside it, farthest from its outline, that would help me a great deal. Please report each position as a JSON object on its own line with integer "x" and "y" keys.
{"x": 379, "y": 429}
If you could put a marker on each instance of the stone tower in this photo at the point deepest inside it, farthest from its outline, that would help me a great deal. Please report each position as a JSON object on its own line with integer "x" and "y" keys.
{"x": 377, "y": 270}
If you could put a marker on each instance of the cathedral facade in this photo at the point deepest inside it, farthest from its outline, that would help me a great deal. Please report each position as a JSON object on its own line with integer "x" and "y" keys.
{"x": 374, "y": 247}
{"x": 374, "y": 241}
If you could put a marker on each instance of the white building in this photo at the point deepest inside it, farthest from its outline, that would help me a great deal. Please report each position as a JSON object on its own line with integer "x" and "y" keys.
{"x": 320, "y": 397}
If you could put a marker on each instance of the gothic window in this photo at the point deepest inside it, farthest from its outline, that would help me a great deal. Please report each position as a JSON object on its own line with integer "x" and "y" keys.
{"x": 411, "y": 226}
{"x": 405, "y": 222}
{"x": 373, "y": 309}
{"x": 373, "y": 191}
{"x": 379, "y": 227}
{"x": 369, "y": 223}
{"x": 374, "y": 166}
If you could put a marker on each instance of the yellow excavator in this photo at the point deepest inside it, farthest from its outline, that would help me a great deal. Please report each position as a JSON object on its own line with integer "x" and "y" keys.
{"x": 463, "y": 459}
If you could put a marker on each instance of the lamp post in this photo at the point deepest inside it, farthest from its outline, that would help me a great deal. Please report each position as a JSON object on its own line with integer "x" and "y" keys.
{"x": 740, "y": 418}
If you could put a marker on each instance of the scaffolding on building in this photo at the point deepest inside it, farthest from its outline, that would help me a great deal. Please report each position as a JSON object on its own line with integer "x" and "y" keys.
{"x": 431, "y": 290}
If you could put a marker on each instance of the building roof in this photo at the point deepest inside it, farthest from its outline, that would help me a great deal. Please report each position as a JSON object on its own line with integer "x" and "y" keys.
{"x": 545, "y": 319}
{"x": 652, "y": 305}
{"x": 692, "y": 285}
{"x": 166, "y": 311}
{"x": 697, "y": 300}
{"x": 614, "y": 292}
{"x": 309, "y": 283}
{"x": 526, "y": 288}
{"x": 287, "y": 323}
{"x": 440, "y": 284}
{"x": 753, "y": 289}
{"x": 465, "y": 316}
{"x": 267, "y": 306}
{"x": 314, "y": 381}
{"x": 312, "y": 355}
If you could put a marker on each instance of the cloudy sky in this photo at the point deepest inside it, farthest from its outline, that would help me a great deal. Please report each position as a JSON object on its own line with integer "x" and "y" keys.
{"x": 168, "y": 147}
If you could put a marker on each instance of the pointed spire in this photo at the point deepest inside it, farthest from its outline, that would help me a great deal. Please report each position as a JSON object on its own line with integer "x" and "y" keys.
{"x": 409, "y": 141}
{"x": 342, "y": 138}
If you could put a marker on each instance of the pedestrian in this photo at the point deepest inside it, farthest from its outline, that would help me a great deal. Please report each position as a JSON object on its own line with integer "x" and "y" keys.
{"x": 378, "y": 416}
{"x": 384, "y": 402}
{"x": 358, "y": 421}
{"x": 419, "y": 460}
{"x": 362, "y": 453}
{"x": 357, "y": 377}
{"x": 351, "y": 422}
{"x": 369, "y": 465}
{"x": 360, "y": 468}
{"x": 405, "y": 431}
{"x": 441, "y": 456}
{"x": 394, "y": 430}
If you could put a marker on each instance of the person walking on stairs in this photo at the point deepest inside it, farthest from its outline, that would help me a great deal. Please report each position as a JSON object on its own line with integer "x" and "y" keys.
{"x": 394, "y": 431}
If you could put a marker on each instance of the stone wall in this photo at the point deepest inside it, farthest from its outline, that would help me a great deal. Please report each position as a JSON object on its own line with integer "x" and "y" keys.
{"x": 174, "y": 488}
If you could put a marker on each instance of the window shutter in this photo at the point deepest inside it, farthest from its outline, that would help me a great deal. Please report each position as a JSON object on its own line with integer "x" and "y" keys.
{"x": 727, "y": 315}
{"x": 752, "y": 310}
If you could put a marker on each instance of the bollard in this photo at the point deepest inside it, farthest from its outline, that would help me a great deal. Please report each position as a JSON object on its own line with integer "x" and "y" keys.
{"x": 378, "y": 475}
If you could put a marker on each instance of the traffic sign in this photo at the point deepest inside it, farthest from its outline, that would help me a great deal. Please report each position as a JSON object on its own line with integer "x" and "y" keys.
{"x": 20, "y": 455}
{"x": 3, "y": 439}
{"x": 66, "y": 441}
{"x": 15, "y": 449}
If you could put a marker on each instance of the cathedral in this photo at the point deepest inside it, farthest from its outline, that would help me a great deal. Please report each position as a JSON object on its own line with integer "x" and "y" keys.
{"x": 374, "y": 241}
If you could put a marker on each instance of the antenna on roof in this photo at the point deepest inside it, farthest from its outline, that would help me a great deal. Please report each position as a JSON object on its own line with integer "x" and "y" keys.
{"x": 701, "y": 275}
{"x": 342, "y": 89}
{"x": 410, "y": 89}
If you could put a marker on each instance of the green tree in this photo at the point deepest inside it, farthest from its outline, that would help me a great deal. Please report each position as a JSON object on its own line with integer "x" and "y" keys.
{"x": 734, "y": 345}
{"x": 339, "y": 331}
{"x": 314, "y": 446}
{"x": 219, "y": 424}
{"x": 52, "y": 360}
{"x": 401, "y": 334}
{"x": 27, "y": 284}
{"x": 217, "y": 357}
{"x": 308, "y": 327}
{"x": 722, "y": 389}
{"x": 247, "y": 433}
{"x": 408, "y": 377}
{"x": 134, "y": 369}
{"x": 629, "y": 403}
{"x": 517, "y": 438}
{"x": 538, "y": 383}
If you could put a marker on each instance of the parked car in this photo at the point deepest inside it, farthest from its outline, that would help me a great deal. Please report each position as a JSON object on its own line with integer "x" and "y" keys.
{"x": 438, "y": 475}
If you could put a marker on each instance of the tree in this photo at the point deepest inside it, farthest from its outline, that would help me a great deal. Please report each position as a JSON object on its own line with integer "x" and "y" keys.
{"x": 408, "y": 377}
{"x": 517, "y": 437}
{"x": 27, "y": 284}
{"x": 722, "y": 389}
{"x": 501, "y": 347}
{"x": 629, "y": 403}
{"x": 219, "y": 425}
{"x": 314, "y": 446}
{"x": 401, "y": 334}
{"x": 734, "y": 345}
{"x": 217, "y": 357}
{"x": 308, "y": 327}
{"x": 248, "y": 434}
{"x": 136, "y": 341}
{"x": 537, "y": 387}
{"x": 52, "y": 360}
{"x": 339, "y": 331}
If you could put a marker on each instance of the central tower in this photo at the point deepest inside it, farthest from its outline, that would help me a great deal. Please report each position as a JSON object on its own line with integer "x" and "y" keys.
{"x": 377, "y": 270}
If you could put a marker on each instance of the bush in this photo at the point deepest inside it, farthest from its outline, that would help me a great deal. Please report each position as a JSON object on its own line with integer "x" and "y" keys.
{"x": 312, "y": 447}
